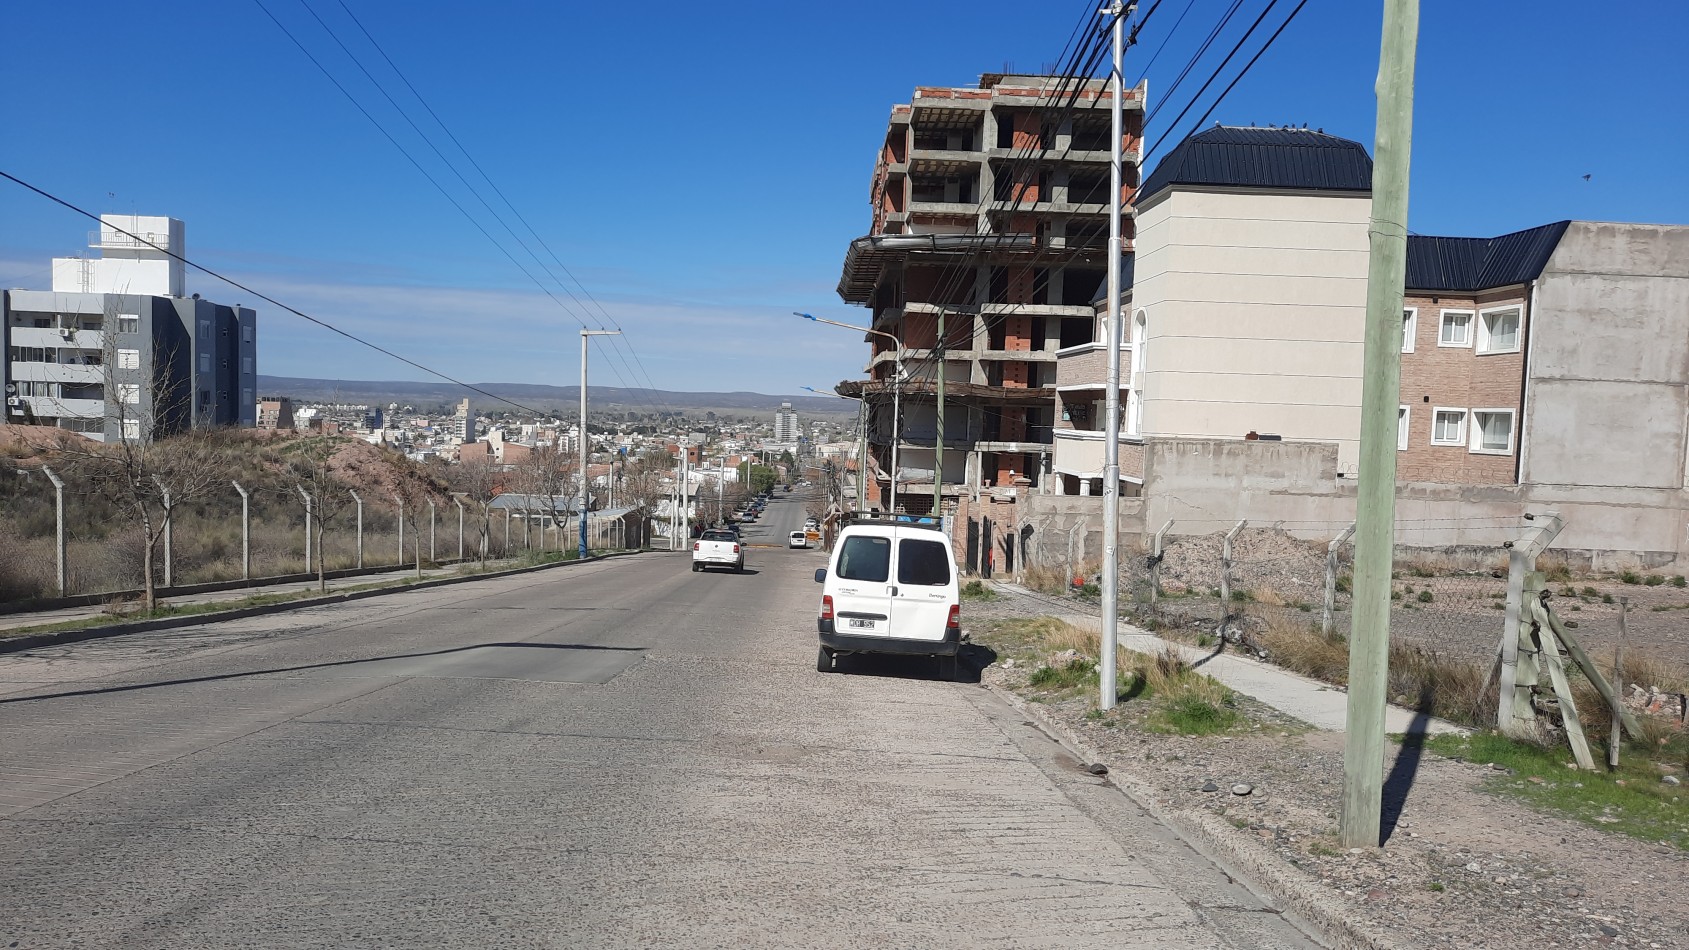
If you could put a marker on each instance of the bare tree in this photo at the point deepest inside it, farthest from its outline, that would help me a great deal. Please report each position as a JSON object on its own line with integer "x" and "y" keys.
{"x": 478, "y": 481}
{"x": 415, "y": 490}
{"x": 547, "y": 476}
{"x": 312, "y": 469}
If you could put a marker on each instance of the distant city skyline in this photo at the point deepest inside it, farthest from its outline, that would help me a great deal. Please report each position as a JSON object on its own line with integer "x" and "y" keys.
{"x": 699, "y": 228}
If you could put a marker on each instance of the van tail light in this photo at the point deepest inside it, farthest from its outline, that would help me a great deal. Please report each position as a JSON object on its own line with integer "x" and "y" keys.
{"x": 697, "y": 544}
{"x": 955, "y": 616}
{"x": 736, "y": 549}
{"x": 827, "y": 607}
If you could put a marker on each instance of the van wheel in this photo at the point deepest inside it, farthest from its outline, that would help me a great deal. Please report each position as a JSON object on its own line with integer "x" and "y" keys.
{"x": 947, "y": 668}
{"x": 824, "y": 661}
{"x": 696, "y": 568}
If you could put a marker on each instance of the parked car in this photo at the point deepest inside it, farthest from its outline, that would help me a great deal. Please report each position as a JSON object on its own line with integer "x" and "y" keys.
{"x": 718, "y": 547}
{"x": 798, "y": 539}
{"x": 890, "y": 587}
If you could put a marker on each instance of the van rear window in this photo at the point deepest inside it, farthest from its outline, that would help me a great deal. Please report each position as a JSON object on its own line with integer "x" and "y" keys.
{"x": 865, "y": 558}
{"x": 922, "y": 562}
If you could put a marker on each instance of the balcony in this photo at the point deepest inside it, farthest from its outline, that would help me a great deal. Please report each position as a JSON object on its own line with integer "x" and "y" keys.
{"x": 1079, "y": 452}
{"x": 75, "y": 374}
{"x": 142, "y": 240}
{"x": 62, "y": 408}
{"x": 1086, "y": 366}
{"x": 57, "y": 338}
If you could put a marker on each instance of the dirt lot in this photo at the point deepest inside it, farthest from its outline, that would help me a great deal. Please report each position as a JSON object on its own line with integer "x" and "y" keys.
{"x": 1467, "y": 863}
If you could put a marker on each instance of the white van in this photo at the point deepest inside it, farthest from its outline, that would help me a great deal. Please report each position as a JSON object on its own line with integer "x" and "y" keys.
{"x": 890, "y": 587}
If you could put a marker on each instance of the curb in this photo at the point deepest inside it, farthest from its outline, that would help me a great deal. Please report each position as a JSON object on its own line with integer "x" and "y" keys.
{"x": 1306, "y": 901}
{"x": 33, "y": 641}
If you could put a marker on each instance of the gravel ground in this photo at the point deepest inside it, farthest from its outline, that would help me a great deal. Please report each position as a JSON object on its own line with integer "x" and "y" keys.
{"x": 1462, "y": 868}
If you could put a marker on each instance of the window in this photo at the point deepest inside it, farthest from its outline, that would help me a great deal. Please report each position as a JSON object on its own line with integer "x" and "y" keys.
{"x": 1456, "y": 329}
{"x": 93, "y": 323}
{"x": 1401, "y": 428}
{"x": 29, "y": 354}
{"x": 865, "y": 558}
{"x": 246, "y": 334}
{"x": 128, "y": 359}
{"x": 1498, "y": 330}
{"x": 129, "y": 392}
{"x": 1410, "y": 325}
{"x": 128, "y": 323}
{"x": 246, "y": 364}
{"x": 922, "y": 562}
{"x": 205, "y": 361}
{"x": 131, "y": 430}
{"x": 1448, "y": 427}
{"x": 1492, "y": 431}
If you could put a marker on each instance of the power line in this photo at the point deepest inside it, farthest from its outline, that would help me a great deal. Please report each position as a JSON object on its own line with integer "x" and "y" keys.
{"x": 430, "y": 178}
{"x": 267, "y": 298}
{"x": 1221, "y": 68}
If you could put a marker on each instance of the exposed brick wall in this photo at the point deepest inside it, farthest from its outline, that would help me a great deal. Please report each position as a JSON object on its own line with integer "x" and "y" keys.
{"x": 920, "y": 330}
{"x": 1009, "y": 466}
{"x": 1458, "y": 378}
{"x": 1015, "y": 375}
{"x": 1017, "y": 332}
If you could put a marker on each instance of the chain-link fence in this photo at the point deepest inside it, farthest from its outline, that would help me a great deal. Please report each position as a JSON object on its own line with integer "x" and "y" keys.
{"x": 1450, "y": 601}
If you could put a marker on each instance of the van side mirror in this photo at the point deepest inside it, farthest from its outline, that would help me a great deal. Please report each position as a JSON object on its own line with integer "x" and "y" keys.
{"x": 820, "y": 575}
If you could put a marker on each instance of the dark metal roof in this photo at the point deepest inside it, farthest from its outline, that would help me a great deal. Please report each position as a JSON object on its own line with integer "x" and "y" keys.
{"x": 1474, "y": 264}
{"x": 1126, "y": 270}
{"x": 1264, "y": 158}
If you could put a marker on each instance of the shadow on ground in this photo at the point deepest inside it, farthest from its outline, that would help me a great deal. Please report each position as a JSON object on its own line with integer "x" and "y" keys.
{"x": 970, "y": 661}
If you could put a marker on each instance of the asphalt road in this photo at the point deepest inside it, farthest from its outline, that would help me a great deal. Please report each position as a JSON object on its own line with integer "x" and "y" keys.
{"x": 620, "y": 754}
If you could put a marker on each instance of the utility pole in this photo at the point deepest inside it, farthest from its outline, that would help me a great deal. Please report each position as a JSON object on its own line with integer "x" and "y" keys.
{"x": 586, "y": 483}
{"x": 1375, "y": 529}
{"x": 1106, "y": 675}
{"x": 359, "y": 502}
{"x": 246, "y": 533}
{"x": 938, "y": 441}
{"x": 59, "y": 522}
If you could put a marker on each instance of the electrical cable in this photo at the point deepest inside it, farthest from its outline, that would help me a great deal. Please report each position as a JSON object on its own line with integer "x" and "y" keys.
{"x": 1221, "y": 68}
{"x": 267, "y": 298}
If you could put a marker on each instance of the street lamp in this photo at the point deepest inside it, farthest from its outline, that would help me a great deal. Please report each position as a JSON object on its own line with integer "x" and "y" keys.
{"x": 586, "y": 483}
{"x": 896, "y": 392}
{"x": 862, "y": 449}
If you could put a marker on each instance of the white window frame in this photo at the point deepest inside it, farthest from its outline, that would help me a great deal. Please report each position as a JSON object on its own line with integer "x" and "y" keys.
{"x": 1476, "y": 442}
{"x": 128, "y": 359}
{"x": 129, "y": 393}
{"x": 1404, "y": 424}
{"x": 131, "y": 430}
{"x": 128, "y": 323}
{"x": 1482, "y": 331}
{"x": 1459, "y": 439}
{"x": 1442, "y": 321}
{"x": 1410, "y": 327}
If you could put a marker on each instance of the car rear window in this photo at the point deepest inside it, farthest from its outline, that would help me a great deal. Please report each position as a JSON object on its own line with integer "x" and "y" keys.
{"x": 922, "y": 562}
{"x": 720, "y": 536}
{"x": 865, "y": 558}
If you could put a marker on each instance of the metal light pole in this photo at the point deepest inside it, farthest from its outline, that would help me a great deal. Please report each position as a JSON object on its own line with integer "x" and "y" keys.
{"x": 59, "y": 531}
{"x": 1106, "y": 675}
{"x": 170, "y": 531}
{"x": 938, "y": 440}
{"x": 896, "y": 392}
{"x": 586, "y": 483}
{"x": 358, "y": 501}
{"x": 459, "y": 528}
{"x": 400, "y": 501}
{"x": 308, "y": 512}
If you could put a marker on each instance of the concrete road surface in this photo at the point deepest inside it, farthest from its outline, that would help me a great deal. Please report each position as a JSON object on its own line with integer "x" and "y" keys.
{"x": 622, "y": 754}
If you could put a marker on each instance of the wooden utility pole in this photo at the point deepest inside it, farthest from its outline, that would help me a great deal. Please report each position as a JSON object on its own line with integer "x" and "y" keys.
{"x": 1369, "y": 641}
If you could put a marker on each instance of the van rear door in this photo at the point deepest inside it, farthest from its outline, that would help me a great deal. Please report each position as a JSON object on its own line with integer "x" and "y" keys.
{"x": 861, "y": 585}
{"x": 922, "y": 584}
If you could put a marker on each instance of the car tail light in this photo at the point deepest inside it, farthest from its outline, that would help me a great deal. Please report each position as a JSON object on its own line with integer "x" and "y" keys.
{"x": 697, "y": 544}
{"x": 736, "y": 549}
{"x": 827, "y": 607}
{"x": 955, "y": 616}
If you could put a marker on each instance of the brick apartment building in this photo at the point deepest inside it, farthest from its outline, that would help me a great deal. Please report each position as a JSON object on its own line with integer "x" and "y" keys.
{"x": 989, "y": 212}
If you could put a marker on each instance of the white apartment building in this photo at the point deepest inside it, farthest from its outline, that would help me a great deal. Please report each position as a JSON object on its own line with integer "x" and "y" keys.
{"x": 115, "y": 350}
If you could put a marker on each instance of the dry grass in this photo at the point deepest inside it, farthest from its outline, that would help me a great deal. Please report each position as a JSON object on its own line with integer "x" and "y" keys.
{"x": 1046, "y": 580}
{"x": 1267, "y": 597}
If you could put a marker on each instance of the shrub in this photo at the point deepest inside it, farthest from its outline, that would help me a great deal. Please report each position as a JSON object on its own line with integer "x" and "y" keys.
{"x": 1607, "y": 598}
{"x": 1425, "y": 597}
{"x": 1654, "y": 580}
{"x": 1630, "y": 577}
{"x": 1679, "y": 582}
{"x": 976, "y": 590}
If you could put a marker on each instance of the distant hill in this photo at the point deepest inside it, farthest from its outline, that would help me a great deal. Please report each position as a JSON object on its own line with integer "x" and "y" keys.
{"x": 545, "y": 398}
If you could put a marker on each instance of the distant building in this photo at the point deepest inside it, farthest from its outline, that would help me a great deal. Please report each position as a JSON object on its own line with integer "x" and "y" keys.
{"x": 275, "y": 412}
{"x": 463, "y": 422}
{"x": 786, "y": 424}
{"x": 115, "y": 351}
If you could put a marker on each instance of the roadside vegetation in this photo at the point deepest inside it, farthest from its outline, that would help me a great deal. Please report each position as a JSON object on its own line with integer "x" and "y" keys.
{"x": 1057, "y": 664}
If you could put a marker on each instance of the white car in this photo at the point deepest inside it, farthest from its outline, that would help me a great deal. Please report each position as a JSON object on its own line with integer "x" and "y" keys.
{"x": 797, "y": 539}
{"x": 890, "y": 587}
{"x": 718, "y": 547}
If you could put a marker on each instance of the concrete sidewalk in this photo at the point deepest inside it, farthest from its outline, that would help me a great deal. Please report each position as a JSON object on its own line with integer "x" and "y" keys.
{"x": 1321, "y": 705}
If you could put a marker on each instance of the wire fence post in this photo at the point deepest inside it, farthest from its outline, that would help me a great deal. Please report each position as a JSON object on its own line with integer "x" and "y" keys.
{"x": 59, "y": 524}
{"x": 1155, "y": 565}
{"x": 459, "y": 528}
{"x": 1616, "y": 734}
{"x": 1331, "y": 551}
{"x": 507, "y": 513}
{"x": 1519, "y": 670}
{"x": 400, "y": 501}
{"x": 245, "y": 532}
{"x": 431, "y": 557}
{"x": 358, "y": 501}
{"x": 1226, "y": 574}
{"x": 307, "y": 496}
{"x": 169, "y": 533}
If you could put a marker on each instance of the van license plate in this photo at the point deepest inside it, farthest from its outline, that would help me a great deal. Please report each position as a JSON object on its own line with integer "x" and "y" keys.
{"x": 861, "y": 625}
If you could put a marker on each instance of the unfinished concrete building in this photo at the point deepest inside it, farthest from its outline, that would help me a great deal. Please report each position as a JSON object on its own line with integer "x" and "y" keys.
{"x": 990, "y": 218}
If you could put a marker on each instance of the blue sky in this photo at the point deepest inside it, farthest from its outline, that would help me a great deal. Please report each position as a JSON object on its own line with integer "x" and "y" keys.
{"x": 700, "y": 168}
